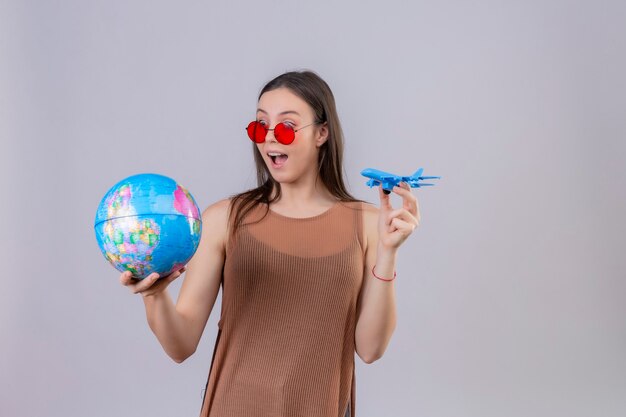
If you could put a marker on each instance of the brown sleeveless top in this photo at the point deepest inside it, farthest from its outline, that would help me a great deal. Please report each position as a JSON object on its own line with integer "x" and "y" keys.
{"x": 285, "y": 345}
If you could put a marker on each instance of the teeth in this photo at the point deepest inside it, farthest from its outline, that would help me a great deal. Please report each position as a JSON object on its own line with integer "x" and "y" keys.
{"x": 274, "y": 154}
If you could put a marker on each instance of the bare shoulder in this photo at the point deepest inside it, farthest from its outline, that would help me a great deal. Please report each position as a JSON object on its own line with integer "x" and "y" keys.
{"x": 217, "y": 210}
{"x": 215, "y": 219}
{"x": 217, "y": 213}
{"x": 370, "y": 214}
{"x": 370, "y": 222}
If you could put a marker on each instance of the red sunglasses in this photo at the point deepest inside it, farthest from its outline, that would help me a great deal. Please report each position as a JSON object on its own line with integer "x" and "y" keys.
{"x": 283, "y": 132}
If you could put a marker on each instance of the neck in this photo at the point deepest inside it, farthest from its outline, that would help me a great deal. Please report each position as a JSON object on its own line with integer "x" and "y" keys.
{"x": 311, "y": 193}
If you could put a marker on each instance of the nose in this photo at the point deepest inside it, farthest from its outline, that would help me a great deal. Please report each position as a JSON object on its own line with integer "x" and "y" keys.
{"x": 269, "y": 137}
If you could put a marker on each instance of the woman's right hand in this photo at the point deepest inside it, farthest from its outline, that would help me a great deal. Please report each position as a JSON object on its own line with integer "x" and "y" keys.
{"x": 151, "y": 284}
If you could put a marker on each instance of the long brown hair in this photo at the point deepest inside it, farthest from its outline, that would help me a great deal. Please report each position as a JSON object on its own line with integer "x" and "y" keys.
{"x": 313, "y": 89}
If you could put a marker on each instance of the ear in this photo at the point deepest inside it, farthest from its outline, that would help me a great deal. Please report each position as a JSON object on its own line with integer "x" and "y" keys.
{"x": 323, "y": 135}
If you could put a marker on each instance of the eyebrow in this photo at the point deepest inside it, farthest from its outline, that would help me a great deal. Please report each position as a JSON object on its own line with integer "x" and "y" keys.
{"x": 280, "y": 114}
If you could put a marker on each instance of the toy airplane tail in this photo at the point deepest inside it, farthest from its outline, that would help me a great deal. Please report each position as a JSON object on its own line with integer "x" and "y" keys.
{"x": 417, "y": 173}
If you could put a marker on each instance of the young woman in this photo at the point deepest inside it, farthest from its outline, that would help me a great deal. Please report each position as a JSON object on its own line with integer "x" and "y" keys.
{"x": 306, "y": 270}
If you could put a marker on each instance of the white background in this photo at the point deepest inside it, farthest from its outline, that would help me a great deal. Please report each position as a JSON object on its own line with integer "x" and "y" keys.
{"x": 511, "y": 291}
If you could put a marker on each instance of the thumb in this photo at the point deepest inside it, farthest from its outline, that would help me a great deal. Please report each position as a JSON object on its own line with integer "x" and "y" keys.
{"x": 385, "y": 199}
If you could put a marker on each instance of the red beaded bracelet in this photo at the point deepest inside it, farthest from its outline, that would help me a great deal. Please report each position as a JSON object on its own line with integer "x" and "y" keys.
{"x": 383, "y": 279}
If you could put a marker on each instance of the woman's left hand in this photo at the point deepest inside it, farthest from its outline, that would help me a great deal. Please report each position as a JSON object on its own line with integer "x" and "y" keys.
{"x": 394, "y": 226}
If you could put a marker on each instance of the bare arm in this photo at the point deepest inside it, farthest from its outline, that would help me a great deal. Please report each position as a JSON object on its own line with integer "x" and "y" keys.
{"x": 179, "y": 327}
{"x": 385, "y": 230}
{"x": 376, "y": 316}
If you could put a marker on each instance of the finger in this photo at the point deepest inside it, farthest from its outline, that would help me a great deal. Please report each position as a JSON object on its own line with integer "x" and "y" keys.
{"x": 145, "y": 283}
{"x": 405, "y": 228}
{"x": 171, "y": 277}
{"x": 175, "y": 274}
{"x": 403, "y": 189}
{"x": 158, "y": 286}
{"x": 409, "y": 201}
{"x": 403, "y": 214}
{"x": 385, "y": 200}
{"x": 126, "y": 278}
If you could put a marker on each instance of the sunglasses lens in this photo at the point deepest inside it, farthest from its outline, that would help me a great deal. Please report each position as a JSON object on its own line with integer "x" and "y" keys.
{"x": 256, "y": 132}
{"x": 284, "y": 133}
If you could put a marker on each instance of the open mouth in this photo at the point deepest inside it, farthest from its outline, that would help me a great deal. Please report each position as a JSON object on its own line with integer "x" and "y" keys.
{"x": 278, "y": 159}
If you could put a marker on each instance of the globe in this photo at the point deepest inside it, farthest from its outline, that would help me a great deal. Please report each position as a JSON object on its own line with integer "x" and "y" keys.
{"x": 148, "y": 223}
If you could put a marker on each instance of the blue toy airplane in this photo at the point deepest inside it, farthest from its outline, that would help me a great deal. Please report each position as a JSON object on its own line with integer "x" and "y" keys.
{"x": 390, "y": 180}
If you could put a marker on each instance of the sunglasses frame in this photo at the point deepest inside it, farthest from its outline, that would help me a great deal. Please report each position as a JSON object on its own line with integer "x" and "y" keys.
{"x": 285, "y": 125}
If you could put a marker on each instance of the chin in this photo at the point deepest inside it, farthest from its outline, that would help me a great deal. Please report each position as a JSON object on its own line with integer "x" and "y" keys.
{"x": 282, "y": 178}
{"x": 285, "y": 175}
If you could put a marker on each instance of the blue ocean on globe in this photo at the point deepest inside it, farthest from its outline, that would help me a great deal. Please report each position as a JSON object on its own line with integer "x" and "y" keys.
{"x": 148, "y": 223}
